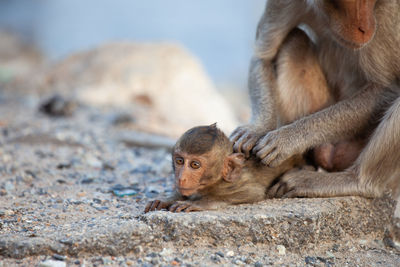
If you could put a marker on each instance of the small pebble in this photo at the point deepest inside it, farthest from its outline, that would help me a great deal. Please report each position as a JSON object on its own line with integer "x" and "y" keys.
{"x": 66, "y": 242}
{"x": 330, "y": 254}
{"x": 97, "y": 200}
{"x": 106, "y": 261}
{"x": 125, "y": 192}
{"x": 219, "y": 253}
{"x": 59, "y": 257}
{"x": 31, "y": 173}
{"x": 61, "y": 166}
{"x": 335, "y": 248}
{"x": 310, "y": 260}
{"x": 166, "y": 252}
{"x": 166, "y": 238}
{"x": 215, "y": 259}
{"x": 281, "y": 249}
{"x": 108, "y": 166}
{"x": 52, "y": 263}
{"x": 238, "y": 262}
{"x": 87, "y": 180}
{"x": 138, "y": 249}
{"x": 230, "y": 253}
{"x": 93, "y": 161}
{"x": 101, "y": 208}
{"x": 58, "y": 106}
{"x": 152, "y": 255}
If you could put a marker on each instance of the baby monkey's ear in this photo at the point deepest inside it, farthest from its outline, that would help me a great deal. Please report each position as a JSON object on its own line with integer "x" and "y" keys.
{"x": 233, "y": 165}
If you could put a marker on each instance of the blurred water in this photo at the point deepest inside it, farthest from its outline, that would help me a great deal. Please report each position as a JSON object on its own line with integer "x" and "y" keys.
{"x": 220, "y": 32}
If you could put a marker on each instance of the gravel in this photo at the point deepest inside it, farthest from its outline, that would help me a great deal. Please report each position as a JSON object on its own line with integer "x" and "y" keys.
{"x": 73, "y": 189}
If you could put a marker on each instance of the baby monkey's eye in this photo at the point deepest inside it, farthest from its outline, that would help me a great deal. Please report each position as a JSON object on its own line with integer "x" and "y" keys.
{"x": 195, "y": 164}
{"x": 179, "y": 161}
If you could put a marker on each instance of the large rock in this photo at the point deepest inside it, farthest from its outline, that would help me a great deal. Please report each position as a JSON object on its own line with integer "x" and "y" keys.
{"x": 163, "y": 83}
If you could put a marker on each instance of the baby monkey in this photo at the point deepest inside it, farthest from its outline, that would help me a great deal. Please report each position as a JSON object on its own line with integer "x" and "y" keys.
{"x": 208, "y": 175}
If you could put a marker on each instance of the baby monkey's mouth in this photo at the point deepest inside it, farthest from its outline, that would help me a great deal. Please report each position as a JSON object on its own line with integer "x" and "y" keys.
{"x": 187, "y": 191}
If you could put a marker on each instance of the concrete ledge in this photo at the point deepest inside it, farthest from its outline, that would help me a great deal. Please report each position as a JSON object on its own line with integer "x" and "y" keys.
{"x": 294, "y": 223}
{"x": 110, "y": 238}
{"x": 297, "y": 224}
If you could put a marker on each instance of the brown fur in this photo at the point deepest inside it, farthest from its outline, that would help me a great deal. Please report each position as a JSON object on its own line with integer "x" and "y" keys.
{"x": 223, "y": 177}
{"x": 325, "y": 76}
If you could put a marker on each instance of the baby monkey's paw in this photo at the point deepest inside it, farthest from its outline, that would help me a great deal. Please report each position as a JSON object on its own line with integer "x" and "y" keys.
{"x": 156, "y": 205}
{"x": 183, "y": 206}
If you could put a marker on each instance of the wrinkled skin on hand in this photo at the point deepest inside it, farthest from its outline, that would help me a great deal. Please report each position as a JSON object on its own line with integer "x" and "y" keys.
{"x": 291, "y": 185}
{"x": 279, "y": 145}
{"x": 245, "y": 137}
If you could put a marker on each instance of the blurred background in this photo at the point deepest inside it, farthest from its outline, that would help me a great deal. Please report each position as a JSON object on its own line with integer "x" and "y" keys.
{"x": 169, "y": 64}
{"x": 220, "y": 33}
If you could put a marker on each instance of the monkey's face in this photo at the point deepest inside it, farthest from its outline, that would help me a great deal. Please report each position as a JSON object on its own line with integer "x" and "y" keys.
{"x": 193, "y": 172}
{"x": 351, "y": 22}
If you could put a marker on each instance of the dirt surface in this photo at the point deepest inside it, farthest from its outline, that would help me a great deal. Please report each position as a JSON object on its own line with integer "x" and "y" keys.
{"x": 73, "y": 188}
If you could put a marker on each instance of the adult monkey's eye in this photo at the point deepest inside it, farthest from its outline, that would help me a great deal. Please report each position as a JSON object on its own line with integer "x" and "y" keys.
{"x": 179, "y": 161}
{"x": 195, "y": 164}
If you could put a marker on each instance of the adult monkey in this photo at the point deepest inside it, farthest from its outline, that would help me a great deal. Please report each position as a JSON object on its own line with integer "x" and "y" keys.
{"x": 342, "y": 59}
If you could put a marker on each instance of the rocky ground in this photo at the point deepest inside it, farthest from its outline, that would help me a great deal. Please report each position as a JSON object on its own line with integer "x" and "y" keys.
{"x": 73, "y": 189}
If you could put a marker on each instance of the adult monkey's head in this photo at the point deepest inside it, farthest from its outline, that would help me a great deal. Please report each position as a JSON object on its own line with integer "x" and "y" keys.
{"x": 351, "y": 22}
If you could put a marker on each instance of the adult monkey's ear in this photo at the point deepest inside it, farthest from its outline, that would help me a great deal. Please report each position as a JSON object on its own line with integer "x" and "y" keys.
{"x": 233, "y": 165}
